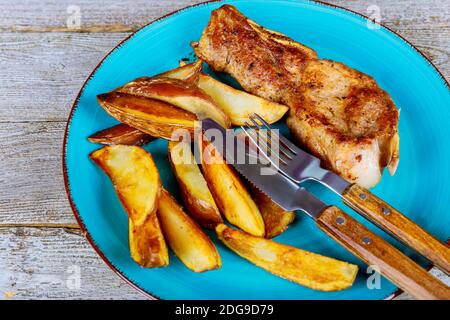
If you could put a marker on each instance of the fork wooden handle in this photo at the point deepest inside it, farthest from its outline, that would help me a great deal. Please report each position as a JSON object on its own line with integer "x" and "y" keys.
{"x": 391, "y": 220}
{"x": 375, "y": 251}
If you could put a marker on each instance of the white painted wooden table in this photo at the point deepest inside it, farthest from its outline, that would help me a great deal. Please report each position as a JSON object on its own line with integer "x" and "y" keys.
{"x": 43, "y": 64}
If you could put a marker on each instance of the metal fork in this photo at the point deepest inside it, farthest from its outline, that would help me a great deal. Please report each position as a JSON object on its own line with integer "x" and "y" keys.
{"x": 299, "y": 165}
{"x": 289, "y": 159}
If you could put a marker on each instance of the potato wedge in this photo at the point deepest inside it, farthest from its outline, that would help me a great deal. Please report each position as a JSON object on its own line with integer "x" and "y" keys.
{"x": 187, "y": 240}
{"x": 137, "y": 183}
{"x": 180, "y": 94}
{"x": 276, "y": 219}
{"x": 153, "y": 117}
{"x": 395, "y": 154}
{"x": 196, "y": 195}
{"x": 238, "y": 104}
{"x": 231, "y": 195}
{"x": 148, "y": 247}
{"x": 303, "y": 267}
{"x": 121, "y": 134}
{"x": 187, "y": 72}
{"x": 134, "y": 176}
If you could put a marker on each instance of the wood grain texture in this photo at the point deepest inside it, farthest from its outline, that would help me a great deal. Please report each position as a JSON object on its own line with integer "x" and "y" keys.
{"x": 42, "y": 263}
{"x": 43, "y": 72}
{"x": 96, "y": 16}
{"x": 35, "y": 265}
{"x": 375, "y": 251}
{"x": 31, "y": 182}
{"x": 129, "y": 15}
{"x": 399, "y": 225}
{"x": 43, "y": 65}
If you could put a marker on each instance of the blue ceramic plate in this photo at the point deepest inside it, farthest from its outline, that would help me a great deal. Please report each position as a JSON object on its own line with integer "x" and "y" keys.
{"x": 420, "y": 187}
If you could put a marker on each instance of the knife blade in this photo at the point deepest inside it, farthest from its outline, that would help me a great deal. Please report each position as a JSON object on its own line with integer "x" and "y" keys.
{"x": 391, "y": 220}
{"x": 309, "y": 169}
{"x": 348, "y": 232}
{"x": 248, "y": 162}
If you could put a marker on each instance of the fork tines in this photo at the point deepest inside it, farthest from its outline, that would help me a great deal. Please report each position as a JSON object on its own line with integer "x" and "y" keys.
{"x": 269, "y": 142}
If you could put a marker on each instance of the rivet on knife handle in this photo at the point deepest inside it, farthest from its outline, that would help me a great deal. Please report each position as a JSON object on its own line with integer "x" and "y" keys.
{"x": 391, "y": 220}
{"x": 373, "y": 250}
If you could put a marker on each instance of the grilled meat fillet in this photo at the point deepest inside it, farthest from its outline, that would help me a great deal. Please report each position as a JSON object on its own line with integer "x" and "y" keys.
{"x": 340, "y": 114}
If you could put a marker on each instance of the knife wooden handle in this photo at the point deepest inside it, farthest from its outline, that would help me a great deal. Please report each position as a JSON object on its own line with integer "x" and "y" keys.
{"x": 375, "y": 251}
{"x": 391, "y": 220}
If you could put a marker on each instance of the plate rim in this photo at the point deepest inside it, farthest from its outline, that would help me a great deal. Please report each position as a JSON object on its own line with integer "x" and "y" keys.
{"x": 74, "y": 106}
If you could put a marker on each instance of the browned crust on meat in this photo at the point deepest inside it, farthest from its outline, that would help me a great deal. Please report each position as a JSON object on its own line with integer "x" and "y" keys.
{"x": 340, "y": 114}
{"x": 264, "y": 62}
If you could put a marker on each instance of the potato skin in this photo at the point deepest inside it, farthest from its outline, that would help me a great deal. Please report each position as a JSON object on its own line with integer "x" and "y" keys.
{"x": 230, "y": 193}
{"x": 182, "y": 94}
{"x": 276, "y": 219}
{"x": 128, "y": 135}
{"x": 187, "y": 72}
{"x": 187, "y": 240}
{"x": 303, "y": 267}
{"x": 204, "y": 211}
{"x": 206, "y": 215}
{"x": 121, "y": 134}
{"x": 156, "y": 118}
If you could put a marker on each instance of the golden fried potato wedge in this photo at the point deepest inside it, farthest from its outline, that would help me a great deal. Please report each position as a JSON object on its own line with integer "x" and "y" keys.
{"x": 239, "y": 105}
{"x": 231, "y": 195}
{"x": 187, "y": 240}
{"x": 395, "y": 154}
{"x": 182, "y": 94}
{"x": 153, "y": 117}
{"x": 121, "y": 134}
{"x": 276, "y": 219}
{"x": 134, "y": 176}
{"x": 186, "y": 72}
{"x": 303, "y": 267}
{"x": 147, "y": 245}
{"x": 138, "y": 185}
{"x": 194, "y": 189}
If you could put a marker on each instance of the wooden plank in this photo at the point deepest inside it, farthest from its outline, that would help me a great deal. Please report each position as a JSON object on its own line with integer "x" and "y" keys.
{"x": 32, "y": 194}
{"x": 35, "y": 86}
{"x": 96, "y": 16}
{"x": 128, "y": 15}
{"x": 42, "y": 73}
{"x": 31, "y": 183}
{"x": 43, "y": 263}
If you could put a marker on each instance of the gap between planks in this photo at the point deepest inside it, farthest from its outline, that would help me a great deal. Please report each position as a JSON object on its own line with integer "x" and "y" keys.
{"x": 41, "y": 225}
{"x": 19, "y": 121}
{"x": 114, "y": 28}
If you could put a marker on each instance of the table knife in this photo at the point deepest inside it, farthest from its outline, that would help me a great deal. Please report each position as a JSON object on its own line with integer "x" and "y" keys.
{"x": 340, "y": 226}
{"x": 304, "y": 166}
